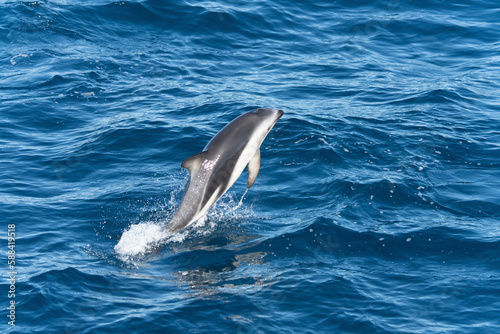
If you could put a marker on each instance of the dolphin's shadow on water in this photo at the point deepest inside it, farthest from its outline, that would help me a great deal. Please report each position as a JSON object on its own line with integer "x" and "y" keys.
{"x": 227, "y": 273}
{"x": 228, "y": 260}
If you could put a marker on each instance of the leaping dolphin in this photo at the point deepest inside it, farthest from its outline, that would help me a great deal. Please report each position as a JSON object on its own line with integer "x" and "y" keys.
{"x": 214, "y": 170}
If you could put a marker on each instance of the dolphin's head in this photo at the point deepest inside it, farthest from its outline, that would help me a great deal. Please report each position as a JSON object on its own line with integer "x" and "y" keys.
{"x": 269, "y": 116}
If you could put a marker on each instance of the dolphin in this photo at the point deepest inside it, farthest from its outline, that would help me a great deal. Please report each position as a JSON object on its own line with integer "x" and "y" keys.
{"x": 213, "y": 171}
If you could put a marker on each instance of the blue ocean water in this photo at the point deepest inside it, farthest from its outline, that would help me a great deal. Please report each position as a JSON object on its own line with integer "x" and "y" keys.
{"x": 377, "y": 206}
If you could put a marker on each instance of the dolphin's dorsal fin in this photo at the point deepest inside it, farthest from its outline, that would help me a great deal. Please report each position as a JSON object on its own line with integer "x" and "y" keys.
{"x": 253, "y": 168}
{"x": 194, "y": 162}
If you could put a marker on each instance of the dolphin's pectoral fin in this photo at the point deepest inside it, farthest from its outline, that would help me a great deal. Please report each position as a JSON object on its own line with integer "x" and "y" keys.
{"x": 253, "y": 168}
{"x": 194, "y": 162}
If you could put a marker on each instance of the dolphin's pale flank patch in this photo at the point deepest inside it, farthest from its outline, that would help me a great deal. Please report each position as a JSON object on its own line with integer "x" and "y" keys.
{"x": 213, "y": 171}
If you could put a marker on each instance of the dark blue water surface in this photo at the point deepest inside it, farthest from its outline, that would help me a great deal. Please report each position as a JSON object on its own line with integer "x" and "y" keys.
{"x": 377, "y": 206}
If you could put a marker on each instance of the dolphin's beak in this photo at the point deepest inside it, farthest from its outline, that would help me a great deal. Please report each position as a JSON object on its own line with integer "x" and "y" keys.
{"x": 280, "y": 113}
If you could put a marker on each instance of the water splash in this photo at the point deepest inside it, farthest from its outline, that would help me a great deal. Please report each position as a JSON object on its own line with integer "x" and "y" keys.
{"x": 241, "y": 199}
{"x": 139, "y": 239}
{"x": 146, "y": 237}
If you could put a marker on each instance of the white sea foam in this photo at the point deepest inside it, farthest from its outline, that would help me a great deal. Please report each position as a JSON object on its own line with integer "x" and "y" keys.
{"x": 14, "y": 59}
{"x": 140, "y": 238}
